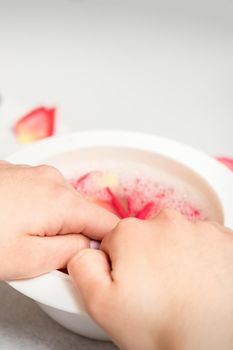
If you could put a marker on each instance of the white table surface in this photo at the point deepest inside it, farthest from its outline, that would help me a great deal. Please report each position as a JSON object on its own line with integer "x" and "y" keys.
{"x": 163, "y": 67}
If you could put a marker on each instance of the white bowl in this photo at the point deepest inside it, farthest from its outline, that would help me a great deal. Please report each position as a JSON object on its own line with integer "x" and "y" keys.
{"x": 54, "y": 291}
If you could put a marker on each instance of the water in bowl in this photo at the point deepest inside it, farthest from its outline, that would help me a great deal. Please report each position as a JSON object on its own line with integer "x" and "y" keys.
{"x": 141, "y": 182}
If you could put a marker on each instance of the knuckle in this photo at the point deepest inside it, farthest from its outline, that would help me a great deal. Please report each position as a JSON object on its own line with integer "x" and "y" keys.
{"x": 127, "y": 224}
{"x": 169, "y": 215}
{"x": 125, "y": 230}
{"x": 47, "y": 170}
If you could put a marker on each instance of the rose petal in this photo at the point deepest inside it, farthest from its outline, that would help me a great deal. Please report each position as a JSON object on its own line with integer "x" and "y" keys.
{"x": 36, "y": 125}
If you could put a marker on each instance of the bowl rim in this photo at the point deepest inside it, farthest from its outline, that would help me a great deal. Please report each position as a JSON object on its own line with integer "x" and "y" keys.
{"x": 212, "y": 171}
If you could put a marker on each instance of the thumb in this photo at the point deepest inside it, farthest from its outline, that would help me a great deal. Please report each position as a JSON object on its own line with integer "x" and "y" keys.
{"x": 91, "y": 274}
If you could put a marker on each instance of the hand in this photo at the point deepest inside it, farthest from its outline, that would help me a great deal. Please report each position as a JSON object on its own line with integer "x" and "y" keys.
{"x": 43, "y": 221}
{"x": 161, "y": 284}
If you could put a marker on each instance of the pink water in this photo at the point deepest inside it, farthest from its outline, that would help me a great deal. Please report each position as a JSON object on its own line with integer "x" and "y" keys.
{"x": 141, "y": 182}
{"x": 134, "y": 196}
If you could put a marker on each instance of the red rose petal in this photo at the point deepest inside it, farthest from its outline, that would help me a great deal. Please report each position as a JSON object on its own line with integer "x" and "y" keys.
{"x": 122, "y": 212}
{"x": 36, "y": 125}
{"x": 144, "y": 213}
{"x": 226, "y": 161}
{"x": 82, "y": 179}
{"x": 130, "y": 205}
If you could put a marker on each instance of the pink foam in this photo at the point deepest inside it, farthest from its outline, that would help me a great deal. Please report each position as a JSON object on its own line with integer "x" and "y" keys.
{"x": 137, "y": 197}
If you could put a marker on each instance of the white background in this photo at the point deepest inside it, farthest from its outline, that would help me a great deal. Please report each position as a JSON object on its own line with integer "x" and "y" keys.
{"x": 164, "y": 67}
{"x": 160, "y": 67}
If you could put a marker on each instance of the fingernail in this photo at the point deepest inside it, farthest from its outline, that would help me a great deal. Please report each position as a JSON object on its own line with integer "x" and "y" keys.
{"x": 94, "y": 244}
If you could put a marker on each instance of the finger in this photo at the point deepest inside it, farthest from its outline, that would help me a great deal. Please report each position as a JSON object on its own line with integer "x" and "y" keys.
{"x": 4, "y": 163}
{"x": 23, "y": 166}
{"x": 220, "y": 227}
{"x": 50, "y": 253}
{"x": 124, "y": 239}
{"x": 81, "y": 216}
{"x": 91, "y": 275}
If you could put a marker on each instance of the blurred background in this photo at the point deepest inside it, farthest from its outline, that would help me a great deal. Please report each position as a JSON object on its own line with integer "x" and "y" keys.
{"x": 163, "y": 67}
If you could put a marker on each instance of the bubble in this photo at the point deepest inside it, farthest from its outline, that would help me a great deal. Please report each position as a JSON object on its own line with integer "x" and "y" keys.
{"x": 136, "y": 190}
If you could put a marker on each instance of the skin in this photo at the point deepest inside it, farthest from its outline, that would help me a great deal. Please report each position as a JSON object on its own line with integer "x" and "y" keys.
{"x": 43, "y": 221}
{"x": 162, "y": 284}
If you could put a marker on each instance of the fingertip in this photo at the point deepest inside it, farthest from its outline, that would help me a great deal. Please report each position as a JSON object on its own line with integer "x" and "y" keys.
{"x": 87, "y": 218}
{"x": 105, "y": 221}
{"x": 72, "y": 265}
{"x": 94, "y": 244}
{"x": 89, "y": 269}
{"x": 88, "y": 260}
{"x": 90, "y": 273}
